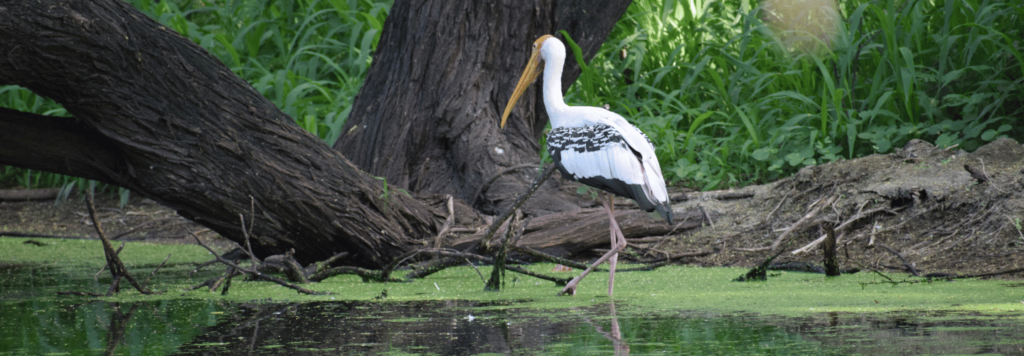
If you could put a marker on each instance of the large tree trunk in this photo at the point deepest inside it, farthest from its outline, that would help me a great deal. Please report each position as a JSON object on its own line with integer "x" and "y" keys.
{"x": 157, "y": 114}
{"x": 427, "y": 116}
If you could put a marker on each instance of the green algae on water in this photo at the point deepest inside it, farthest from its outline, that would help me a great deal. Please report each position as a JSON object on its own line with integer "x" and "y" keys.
{"x": 666, "y": 289}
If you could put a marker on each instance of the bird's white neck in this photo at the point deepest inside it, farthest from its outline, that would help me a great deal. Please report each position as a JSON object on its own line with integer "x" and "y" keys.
{"x": 553, "y": 53}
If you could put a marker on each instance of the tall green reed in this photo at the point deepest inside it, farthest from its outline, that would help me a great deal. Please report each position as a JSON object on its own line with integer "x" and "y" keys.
{"x": 728, "y": 103}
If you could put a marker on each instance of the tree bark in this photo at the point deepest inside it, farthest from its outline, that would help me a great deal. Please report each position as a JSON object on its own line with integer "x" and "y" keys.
{"x": 427, "y": 116}
{"x": 155, "y": 113}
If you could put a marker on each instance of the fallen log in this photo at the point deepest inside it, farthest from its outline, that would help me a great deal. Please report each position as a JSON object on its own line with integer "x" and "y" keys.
{"x": 28, "y": 194}
{"x": 569, "y": 233}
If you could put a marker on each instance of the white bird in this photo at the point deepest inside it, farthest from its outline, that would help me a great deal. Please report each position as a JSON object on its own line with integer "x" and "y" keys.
{"x": 596, "y": 147}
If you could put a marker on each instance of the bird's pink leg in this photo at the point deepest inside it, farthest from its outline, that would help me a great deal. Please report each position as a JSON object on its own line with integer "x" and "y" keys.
{"x": 570, "y": 288}
{"x": 609, "y": 205}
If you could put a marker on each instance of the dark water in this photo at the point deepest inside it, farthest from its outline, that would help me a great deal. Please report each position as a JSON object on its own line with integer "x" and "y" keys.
{"x": 446, "y": 328}
{"x": 33, "y": 321}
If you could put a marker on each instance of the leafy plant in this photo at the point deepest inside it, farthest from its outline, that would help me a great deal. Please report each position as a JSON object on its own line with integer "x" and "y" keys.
{"x": 728, "y": 103}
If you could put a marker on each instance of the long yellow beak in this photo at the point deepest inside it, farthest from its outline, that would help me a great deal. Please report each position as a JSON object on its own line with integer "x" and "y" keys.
{"x": 533, "y": 69}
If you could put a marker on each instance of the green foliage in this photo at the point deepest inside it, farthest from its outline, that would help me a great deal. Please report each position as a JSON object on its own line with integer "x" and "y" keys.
{"x": 309, "y": 57}
{"x": 727, "y": 99}
{"x": 727, "y": 103}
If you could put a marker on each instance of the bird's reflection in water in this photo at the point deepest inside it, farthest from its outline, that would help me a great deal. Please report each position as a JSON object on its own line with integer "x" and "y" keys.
{"x": 615, "y": 335}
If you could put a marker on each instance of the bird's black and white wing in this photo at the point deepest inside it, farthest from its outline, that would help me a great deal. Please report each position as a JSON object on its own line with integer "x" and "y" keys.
{"x": 600, "y": 156}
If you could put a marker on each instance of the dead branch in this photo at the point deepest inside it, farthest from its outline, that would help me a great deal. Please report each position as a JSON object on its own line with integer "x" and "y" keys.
{"x": 366, "y": 274}
{"x": 992, "y": 274}
{"x": 454, "y": 258}
{"x": 245, "y": 233}
{"x": 486, "y": 240}
{"x": 681, "y": 255}
{"x": 490, "y": 180}
{"x": 799, "y": 225}
{"x": 157, "y": 269}
{"x": 28, "y": 194}
{"x": 713, "y": 195}
{"x": 905, "y": 263}
{"x": 84, "y": 294}
{"x": 498, "y": 272}
{"x": 842, "y": 228}
{"x": 447, "y": 223}
{"x": 547, "y": 257}
{"x": 117, "y": 269}
{"x": 143, "y": 224}
{"x": 42, "y": 236}
{"x": 706, "y": 216}
{"x": 234, "y": 254}
{"x": 104, "y": 268}
{"x": 255, "y": 273}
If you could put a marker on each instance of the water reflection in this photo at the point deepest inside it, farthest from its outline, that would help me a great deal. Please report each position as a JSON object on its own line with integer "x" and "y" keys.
{"x": 615, "y": 334}
{"x": 119, "y": 321}
{"x": 31, "y": 327}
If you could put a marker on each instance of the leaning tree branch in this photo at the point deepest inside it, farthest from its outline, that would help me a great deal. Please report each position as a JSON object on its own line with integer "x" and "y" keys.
{"x": 157, "y": 114}
{"x": 60, "y": 145}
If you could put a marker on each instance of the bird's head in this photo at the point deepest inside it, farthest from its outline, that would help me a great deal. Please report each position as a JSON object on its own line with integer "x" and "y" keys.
{"x": 533, "y": 69}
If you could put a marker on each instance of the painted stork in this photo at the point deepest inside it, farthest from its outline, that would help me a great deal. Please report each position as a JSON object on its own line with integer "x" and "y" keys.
{"x": 595, "y": 147}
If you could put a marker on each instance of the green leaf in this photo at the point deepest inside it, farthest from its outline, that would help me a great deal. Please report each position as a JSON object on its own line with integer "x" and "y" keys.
{"x": 582, "y": 189}
{"x": 762, "y": 154}
{"x": 945, "y": 140}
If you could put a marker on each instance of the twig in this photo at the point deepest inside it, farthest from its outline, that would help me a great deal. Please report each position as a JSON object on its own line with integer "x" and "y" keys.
{"x": 366, "y": 274}
{"x": 648, "y": 249}
{"x": 482, "y": 279}
{"x": 991, "y": 274}
{"x": 706, "y": 216}
{"x": 799, "y": 225}
{"x": 842, "y": 228}
{"x": 681, "y": 255}
{"x": 157, "y": 269}
{"x": 248, "y": 248}
{"x": 905, "y": 263}
{"x": 84, "y": 294}
{"x": 104, "y": 268}
{"x": 139, "y": 226}
{"x": 486, "y": 240}
{"x": 256, "y": 273}
{"x": 455, "y": 259}
{"x": 447, "y": 223}
{"x": 547, "y": 257}
{"x": 777, "y": 206}
{"x": 117, "y": 269}
{"x": 490, "y": 180}
{"x": 498, "y": 272}
{"x": 42, "y": 236}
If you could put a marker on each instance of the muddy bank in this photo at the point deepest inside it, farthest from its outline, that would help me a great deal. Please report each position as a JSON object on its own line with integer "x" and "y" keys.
{"x": 943, "y": 211}
{"x": 920, "y": 201}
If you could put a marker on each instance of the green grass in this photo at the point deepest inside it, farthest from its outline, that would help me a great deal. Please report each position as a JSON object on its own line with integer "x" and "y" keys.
{"x": 727, "y": 99}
